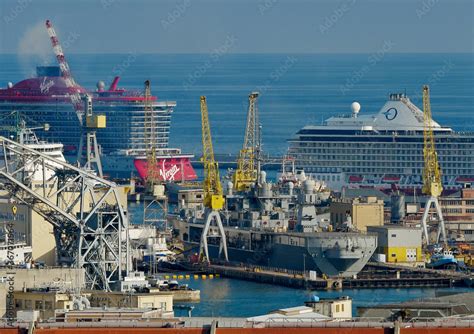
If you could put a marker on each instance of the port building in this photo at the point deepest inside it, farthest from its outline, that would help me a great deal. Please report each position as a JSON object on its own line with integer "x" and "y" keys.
{"x": 398, "y": 244}
{"x": 358, "y": 212}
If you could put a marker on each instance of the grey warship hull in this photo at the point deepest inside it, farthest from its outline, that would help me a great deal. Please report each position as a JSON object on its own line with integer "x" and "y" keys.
{"x": 331, "y": 253}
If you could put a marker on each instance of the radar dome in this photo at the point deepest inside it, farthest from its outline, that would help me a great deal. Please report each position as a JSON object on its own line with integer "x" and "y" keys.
{"x": 355, "y": 107}
{"x": 10, "y": 84}
{"x": 100, "y": 86}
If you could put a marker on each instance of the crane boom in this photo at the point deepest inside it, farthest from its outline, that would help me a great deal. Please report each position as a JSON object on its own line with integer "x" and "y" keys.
{"x": 246, "y": 173}
{"x": 432, "y": 184}
{"x": 74, "y": 91}
{"x": 153, "y": 176}
{"x": 213, "y": 194}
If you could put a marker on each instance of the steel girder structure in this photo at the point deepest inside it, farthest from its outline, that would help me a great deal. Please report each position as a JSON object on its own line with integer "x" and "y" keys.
{"x": 89, "y": 223}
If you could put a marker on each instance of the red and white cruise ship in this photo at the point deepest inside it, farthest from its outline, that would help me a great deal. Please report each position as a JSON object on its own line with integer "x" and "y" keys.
{"x": 46, "y": 99}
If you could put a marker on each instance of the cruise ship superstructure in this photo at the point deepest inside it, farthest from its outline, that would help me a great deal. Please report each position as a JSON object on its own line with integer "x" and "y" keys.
{"x": 382, "y": 149}
{"x": 46, "y": 99}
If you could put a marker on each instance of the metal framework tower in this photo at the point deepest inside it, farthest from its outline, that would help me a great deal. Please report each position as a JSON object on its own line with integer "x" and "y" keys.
{"x": 247, "y": 171}
{"x": 213, "y": 194}
{"x": 89, "y": 223}
{"x": 432, "y": 183}
{"x": 93, "y": 122}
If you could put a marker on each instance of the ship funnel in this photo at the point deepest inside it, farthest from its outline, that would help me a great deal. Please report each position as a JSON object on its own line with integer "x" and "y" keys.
{"x": 114, "y": 84}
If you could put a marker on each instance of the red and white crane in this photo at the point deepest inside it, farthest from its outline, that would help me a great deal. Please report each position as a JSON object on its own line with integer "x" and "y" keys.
{"x": 74, "y": 89}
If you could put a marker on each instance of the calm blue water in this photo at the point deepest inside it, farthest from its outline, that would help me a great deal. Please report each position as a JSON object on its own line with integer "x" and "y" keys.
{"x": 295, "y": 89}
{"x": 228, "y": 297}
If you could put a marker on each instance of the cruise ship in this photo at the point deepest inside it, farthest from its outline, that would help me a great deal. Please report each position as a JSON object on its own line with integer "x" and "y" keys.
{"x": 381, "y": 150}
{"x": 46, "y": 99}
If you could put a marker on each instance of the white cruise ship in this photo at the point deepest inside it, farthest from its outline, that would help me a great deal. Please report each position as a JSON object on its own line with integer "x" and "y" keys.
{"x": 382, "y": 149}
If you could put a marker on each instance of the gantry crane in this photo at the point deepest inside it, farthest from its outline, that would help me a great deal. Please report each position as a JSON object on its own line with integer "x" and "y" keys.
{"x": 247, "y": 171}
{"x": 432, "y": 183}
{"x": 213, "y": 194}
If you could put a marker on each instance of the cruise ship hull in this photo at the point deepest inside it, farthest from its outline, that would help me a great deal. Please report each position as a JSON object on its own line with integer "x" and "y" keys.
{"x": 382, "y": 150}
{"x": 175, "y": 168}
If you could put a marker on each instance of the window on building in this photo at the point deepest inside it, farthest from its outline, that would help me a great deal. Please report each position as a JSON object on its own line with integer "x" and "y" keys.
{"x": 28, "y": 304}
{"x": 38, "y": 305}
{"x": 337, "y": 308}
{"x": 342, "y": 307}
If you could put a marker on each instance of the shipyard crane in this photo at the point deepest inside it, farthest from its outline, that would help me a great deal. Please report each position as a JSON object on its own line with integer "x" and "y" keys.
{"x": 155, "y": 202}
{"x": 149, "y": 130}
{"x": 213, "y": 194}
{"x": 81, "y": 106}
{"x": 432, "y": 183}
{"x": 74, "y": 89}
{"x": 247, "y": 171}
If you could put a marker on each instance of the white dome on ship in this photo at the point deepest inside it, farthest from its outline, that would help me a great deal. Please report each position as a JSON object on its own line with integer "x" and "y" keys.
{"x": 100, "y": 86}
{"x": 355, "y": 107}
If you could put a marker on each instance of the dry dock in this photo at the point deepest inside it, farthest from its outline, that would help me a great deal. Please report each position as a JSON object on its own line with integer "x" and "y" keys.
{"x": 373, "y": 276}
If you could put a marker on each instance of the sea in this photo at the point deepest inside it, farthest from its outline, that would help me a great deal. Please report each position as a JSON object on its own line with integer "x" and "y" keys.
{"x": 295, "y": 90}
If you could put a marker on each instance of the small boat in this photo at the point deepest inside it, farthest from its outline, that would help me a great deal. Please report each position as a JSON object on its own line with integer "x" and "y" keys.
{"x": 443, "y": 260}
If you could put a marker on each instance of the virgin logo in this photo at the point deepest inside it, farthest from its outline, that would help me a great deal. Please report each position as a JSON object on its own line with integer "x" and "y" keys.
{"x": 46, "y": 85}
{"x": 168, "y": 175}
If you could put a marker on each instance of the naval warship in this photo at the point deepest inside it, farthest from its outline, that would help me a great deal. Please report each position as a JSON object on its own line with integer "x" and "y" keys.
{"x": 282, "y": 225}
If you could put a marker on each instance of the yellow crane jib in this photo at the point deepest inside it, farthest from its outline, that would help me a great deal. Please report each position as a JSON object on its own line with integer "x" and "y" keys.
{"x": 246, "y": 173}
{"x": 149, "y": 127}
{"x": 432, "y": 184}
{"x": 213, "y": 194}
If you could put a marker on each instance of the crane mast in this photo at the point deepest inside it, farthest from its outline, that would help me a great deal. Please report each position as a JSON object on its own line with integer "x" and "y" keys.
{"x": 153, "y": 176}
{"x": 432, "y": 183}
{"x": 213, "y": 194}
{"x": 247, "y": 171}
{"x": 74, "y": 91}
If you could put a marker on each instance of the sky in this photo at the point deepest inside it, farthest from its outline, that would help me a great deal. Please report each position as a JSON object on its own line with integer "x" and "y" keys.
{"x": 238, "y": 26}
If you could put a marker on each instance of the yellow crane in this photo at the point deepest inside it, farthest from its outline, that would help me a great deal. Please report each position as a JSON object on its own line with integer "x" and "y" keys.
{"x": 247, "y": 172}
{"x": 432, "y": 183}
{"x": 213, "y": 194}
{"x": 149, "y": 129}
